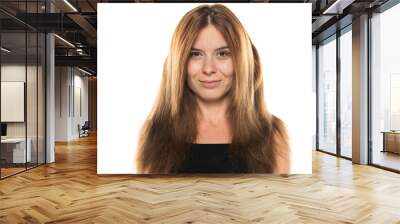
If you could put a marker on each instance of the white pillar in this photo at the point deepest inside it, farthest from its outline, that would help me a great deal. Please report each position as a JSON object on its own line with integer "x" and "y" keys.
{"x": 360, "y": 90}
{"x": 50, "y": 92}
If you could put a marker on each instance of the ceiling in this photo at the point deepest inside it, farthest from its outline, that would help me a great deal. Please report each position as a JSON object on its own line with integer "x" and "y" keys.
{"x": 76, "y": 22}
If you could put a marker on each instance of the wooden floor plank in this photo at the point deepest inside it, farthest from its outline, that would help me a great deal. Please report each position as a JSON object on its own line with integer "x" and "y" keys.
{"x": 70, "y": 191}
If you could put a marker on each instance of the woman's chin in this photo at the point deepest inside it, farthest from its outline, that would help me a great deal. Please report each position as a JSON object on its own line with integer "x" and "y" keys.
{"x": 211, "y": 98}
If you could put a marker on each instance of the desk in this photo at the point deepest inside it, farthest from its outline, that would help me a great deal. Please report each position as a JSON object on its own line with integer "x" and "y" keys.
{"x": 16, "y": 147}
{"x": 391, "y": 141}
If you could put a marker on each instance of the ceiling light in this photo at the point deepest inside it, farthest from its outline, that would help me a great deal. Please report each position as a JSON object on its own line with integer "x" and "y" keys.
{"x": 338, "y": 6}
{"x": 84, "y": 71}
{"x": 70, "y": 5}
{"x": 5, "y": 49}
{"x": 64, "y": 40}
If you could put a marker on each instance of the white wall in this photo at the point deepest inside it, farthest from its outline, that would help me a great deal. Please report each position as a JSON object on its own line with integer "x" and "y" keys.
{"x": 62, "y": 81}
{"x": 80, "y": 83}
{"x": 70, "y": 83}
{"x": 128, "y": 84}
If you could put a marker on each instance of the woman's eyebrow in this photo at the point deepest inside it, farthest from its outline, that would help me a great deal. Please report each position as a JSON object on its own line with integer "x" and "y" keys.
{"x": 222, "y": 48}
{"x": 218, "y": 49}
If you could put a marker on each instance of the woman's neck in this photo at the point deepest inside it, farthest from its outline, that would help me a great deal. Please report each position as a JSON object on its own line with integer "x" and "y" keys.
{"x": 213, "y": 123}
{"x": 213, "y": 112}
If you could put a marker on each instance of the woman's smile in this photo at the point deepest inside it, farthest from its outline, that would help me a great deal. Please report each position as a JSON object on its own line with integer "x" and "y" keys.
{"x": 210, "y": 84}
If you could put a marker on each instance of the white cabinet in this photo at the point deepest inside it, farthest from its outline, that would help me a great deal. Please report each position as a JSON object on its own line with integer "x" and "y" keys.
{"x": 18, "y": 149}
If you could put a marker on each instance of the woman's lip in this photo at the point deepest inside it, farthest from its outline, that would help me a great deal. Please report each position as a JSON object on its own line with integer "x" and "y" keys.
{"x": 210, "y": 81}
{"x": 210, "y": 84}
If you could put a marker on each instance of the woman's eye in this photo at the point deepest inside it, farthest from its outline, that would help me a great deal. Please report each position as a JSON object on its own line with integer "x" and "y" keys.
{"x": 195, "y": 54}
{"x": 223, "y": 54}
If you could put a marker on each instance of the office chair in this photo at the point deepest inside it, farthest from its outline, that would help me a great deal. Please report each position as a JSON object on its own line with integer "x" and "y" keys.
{"x": 84, "y": 130}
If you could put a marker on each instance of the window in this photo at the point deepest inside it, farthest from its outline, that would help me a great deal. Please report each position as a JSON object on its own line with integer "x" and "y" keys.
{"x": 346, "y": 92}
{"x": 385, "y": 88}
{"x": 327, "y": 96}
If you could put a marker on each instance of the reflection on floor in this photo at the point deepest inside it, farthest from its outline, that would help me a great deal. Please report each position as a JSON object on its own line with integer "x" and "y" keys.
{"x": 10, "y": 169}
{"x": 386, "y": 159}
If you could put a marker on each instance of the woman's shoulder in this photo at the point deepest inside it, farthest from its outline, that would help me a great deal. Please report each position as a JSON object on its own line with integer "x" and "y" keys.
{"x": 279, "y": 131}
{"x": 277, "y": 123}
{"x": 280, "y": 141}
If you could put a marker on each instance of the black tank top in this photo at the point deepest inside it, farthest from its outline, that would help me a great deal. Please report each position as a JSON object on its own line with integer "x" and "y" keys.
{"x": 209, "y": 158}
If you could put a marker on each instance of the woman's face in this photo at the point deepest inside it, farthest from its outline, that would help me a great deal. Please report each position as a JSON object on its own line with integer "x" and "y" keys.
{"x": 210, "y": 68}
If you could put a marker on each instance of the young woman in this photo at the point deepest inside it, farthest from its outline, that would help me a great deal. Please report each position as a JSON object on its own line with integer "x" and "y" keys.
{"x": 210, "y": 115}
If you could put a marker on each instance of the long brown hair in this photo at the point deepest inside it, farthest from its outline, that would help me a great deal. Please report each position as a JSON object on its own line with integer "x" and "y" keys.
{"x": 170, "y": 128}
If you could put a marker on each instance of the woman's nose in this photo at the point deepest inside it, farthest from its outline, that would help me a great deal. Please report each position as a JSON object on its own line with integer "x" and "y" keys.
{"x": 209, "y": 66}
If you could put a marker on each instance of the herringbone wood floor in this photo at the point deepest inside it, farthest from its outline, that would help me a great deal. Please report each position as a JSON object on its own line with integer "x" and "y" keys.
{"x": 70, "y": 191}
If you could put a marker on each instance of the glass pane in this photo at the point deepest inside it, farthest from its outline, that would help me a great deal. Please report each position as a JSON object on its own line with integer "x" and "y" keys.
{"x": 31, "y": 101}
{"x": 314, "y": 87}
{"x": 346, "y": 94}
{"x": 386, "y": 89}
{"x": 13, "y": 87}
{"x": 327, "y": 96}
